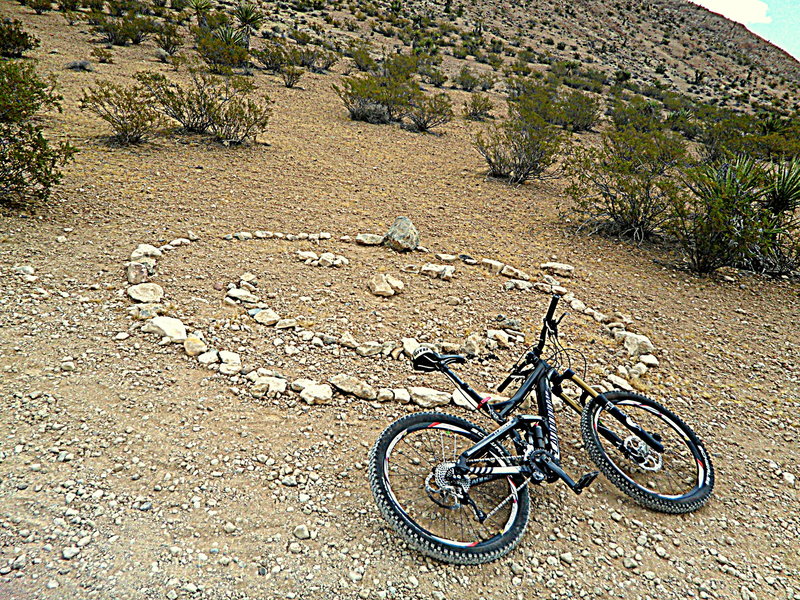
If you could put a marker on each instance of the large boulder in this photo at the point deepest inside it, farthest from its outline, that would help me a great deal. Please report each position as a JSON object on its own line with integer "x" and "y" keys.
{"x": 402, "y": 235}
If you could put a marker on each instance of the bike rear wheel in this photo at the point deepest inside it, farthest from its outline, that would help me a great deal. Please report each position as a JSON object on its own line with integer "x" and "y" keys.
{"x": 678, "y": 480}
{"x": 413, "y": 484}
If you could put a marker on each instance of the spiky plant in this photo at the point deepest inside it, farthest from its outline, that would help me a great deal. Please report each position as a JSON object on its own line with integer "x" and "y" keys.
{"x": 250, "y": 20}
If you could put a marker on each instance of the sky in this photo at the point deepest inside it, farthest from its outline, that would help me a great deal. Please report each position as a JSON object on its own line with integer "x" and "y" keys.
{"x": 777, "y": 21}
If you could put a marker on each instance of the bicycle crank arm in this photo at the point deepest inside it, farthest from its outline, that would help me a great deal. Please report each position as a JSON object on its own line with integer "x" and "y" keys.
{"x": 578, "y": 487}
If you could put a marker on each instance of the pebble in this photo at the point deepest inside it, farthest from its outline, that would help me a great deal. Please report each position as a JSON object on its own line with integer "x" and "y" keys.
{"x": 301, "y": 532}
{"x": 70, "y": 552}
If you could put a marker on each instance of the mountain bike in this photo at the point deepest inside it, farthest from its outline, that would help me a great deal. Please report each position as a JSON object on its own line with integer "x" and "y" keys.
{"x": 456, "y": 492}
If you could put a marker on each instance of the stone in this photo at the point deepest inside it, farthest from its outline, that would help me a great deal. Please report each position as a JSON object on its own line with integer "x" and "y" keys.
{"x": 301, "y": 532}
{"x": 649, "y": 360}
{"x": 396, "y": 285}
{"x": 194, "y": 346}
{"x": 268, "y": 386}
{"x": 500, "y": 336}
{"x": 327, "y": 259}
{"x": 385, "y": 395}
{"x": 620, "y": 382}
{"x": 307, "y": 255}
{"x": 348, "y": 341}
{"x": 136, "y": 273}
{"x": 402, "y": 235}
{"x": 266, "y": 317}
{"x": 636, "y": 344}
{"x": 493, "y": 266}
{"x": 168, "y": 327}
{"x": 446, "y": 258}
{"x": 428, "y": 398}
{"x": 511, "y": 272}
{"x": 317, "y": 393}
{"x": 243, "y": 235}
{"x": 369, "y": 349}
{"x": 242, "y": 295}
{"x": 70, "y": 552}
{"x": 230, "y": 358}
{"x": 354, "y": 386}
{"x": 409, "y": 345}
{"x": 401, "y": 395}
{"x": 557, "y": 268}
{"x": 473, "y": 345}
{"x": 459, "y": 398}
{"x": 432, "y": 270}
{"x": 369, "y": 239}
{"x": 208, "y": 358}
{"x": 286, "y": 324}
{"x": 637, "y": 370}
{"x": 567, "y": 558}
{"x": 578, "y": 305}
{"x": 146, "y": 293}
{"x": 229, "y": 527}
{"x": 145, "y": 250}
{"x": 379, "y": 286}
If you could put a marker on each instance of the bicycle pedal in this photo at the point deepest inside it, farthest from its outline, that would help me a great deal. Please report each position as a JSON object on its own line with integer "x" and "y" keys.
{"x": 585, "y": 481}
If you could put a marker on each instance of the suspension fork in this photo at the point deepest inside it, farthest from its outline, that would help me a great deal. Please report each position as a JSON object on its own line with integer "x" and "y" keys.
{"x": 612, "y": 410}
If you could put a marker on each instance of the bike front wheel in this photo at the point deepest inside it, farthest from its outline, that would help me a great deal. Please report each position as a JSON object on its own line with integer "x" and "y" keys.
{"x": 677, "y": 480}
{"x": 436, "y": 512}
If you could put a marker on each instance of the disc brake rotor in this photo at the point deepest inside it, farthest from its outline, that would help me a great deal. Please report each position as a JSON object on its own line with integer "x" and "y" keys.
{"x": 642, "y": 454}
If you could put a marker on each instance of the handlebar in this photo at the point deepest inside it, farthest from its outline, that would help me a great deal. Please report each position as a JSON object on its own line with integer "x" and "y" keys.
{"x": 548, "y": 323}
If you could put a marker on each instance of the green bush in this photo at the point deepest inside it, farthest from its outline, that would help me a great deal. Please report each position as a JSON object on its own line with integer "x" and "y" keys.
{"x": 168, "y": 38}
{"x": 576, "y": 112}
{"x": 291, "y": 76}
{"x": 213, "y": 104}
{"x": 128, "y": 110}
{"x": 427, "y": 112}
{"x": 523, "y": 147}
{"x": 40, "y": 6}
{"x": 628, "y": 184}
{"x": 719, "y": 223}
{"x": 29, "y": 164}
{"x": 359, "y": 51}
{"x": 14, "y": 40}
{"x": 639, "y": 114}
{"x": 375, "y": 98}
{"x": 478, "y": 107}
{"x": 273, "y": 56}
{"x": 466, "y": 79}
{"x": 221, "y": 49}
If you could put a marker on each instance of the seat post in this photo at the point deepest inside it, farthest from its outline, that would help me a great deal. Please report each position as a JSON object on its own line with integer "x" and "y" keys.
{"x": 462, "y": 385}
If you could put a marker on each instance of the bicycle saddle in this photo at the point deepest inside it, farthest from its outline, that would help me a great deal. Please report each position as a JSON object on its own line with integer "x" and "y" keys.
{"x": 426, "y": 360}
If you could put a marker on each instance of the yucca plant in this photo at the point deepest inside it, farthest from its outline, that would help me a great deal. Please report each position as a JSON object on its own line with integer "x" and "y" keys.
{"x": 250, "y": 20}
{"x": 201, "y": 9}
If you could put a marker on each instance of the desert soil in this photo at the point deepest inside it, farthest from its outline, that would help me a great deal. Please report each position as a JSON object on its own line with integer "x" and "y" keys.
{"x": 162, "y": 478}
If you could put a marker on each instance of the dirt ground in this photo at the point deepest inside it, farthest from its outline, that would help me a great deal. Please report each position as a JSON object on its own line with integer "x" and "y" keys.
{"x": 170, "y": 479}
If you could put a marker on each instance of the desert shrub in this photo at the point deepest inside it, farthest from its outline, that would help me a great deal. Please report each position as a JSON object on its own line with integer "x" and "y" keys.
{"x": 486, "y": 81}
{"x": 399, "y": 67}
{"x": 718, "y": 223}
{"x": 40, "y": 6}
{"x": 478, "y": 107}
{"x": 127, "y": 109}
{"x": 29, "y": 164}
{"x": 168, "y": 38}
{"x": 521, "y": 148}
{"x": 273, "y": 56}
{"x": 466, "y": 79}
{"x": 628, "y": 184}
{"x": 359, "y": 51}
{"x": 638, "y": 114}
{"x": 432, "y": 74}
{"x": 538, "y": 99}
{"x": 103, "y": 56}
{"x": 376, "y": 98}
{"x": 576, "y": 112}
{"x": 427, "y": 112}
{"x": 68, "y": 5}
{"x": 220, "y": 106}
{"x": 291, "y": 76}
{"x": 14, "y": 40}
{"x": 220, "y": 50}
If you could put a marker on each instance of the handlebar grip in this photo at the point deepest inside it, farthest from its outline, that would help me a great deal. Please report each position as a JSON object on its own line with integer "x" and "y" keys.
{"x": 504, "y": 385}
{"x": 551, "y": 311}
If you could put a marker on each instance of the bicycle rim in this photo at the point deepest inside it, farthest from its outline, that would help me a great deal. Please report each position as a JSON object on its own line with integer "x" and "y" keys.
{"x": 409, "y": 468}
